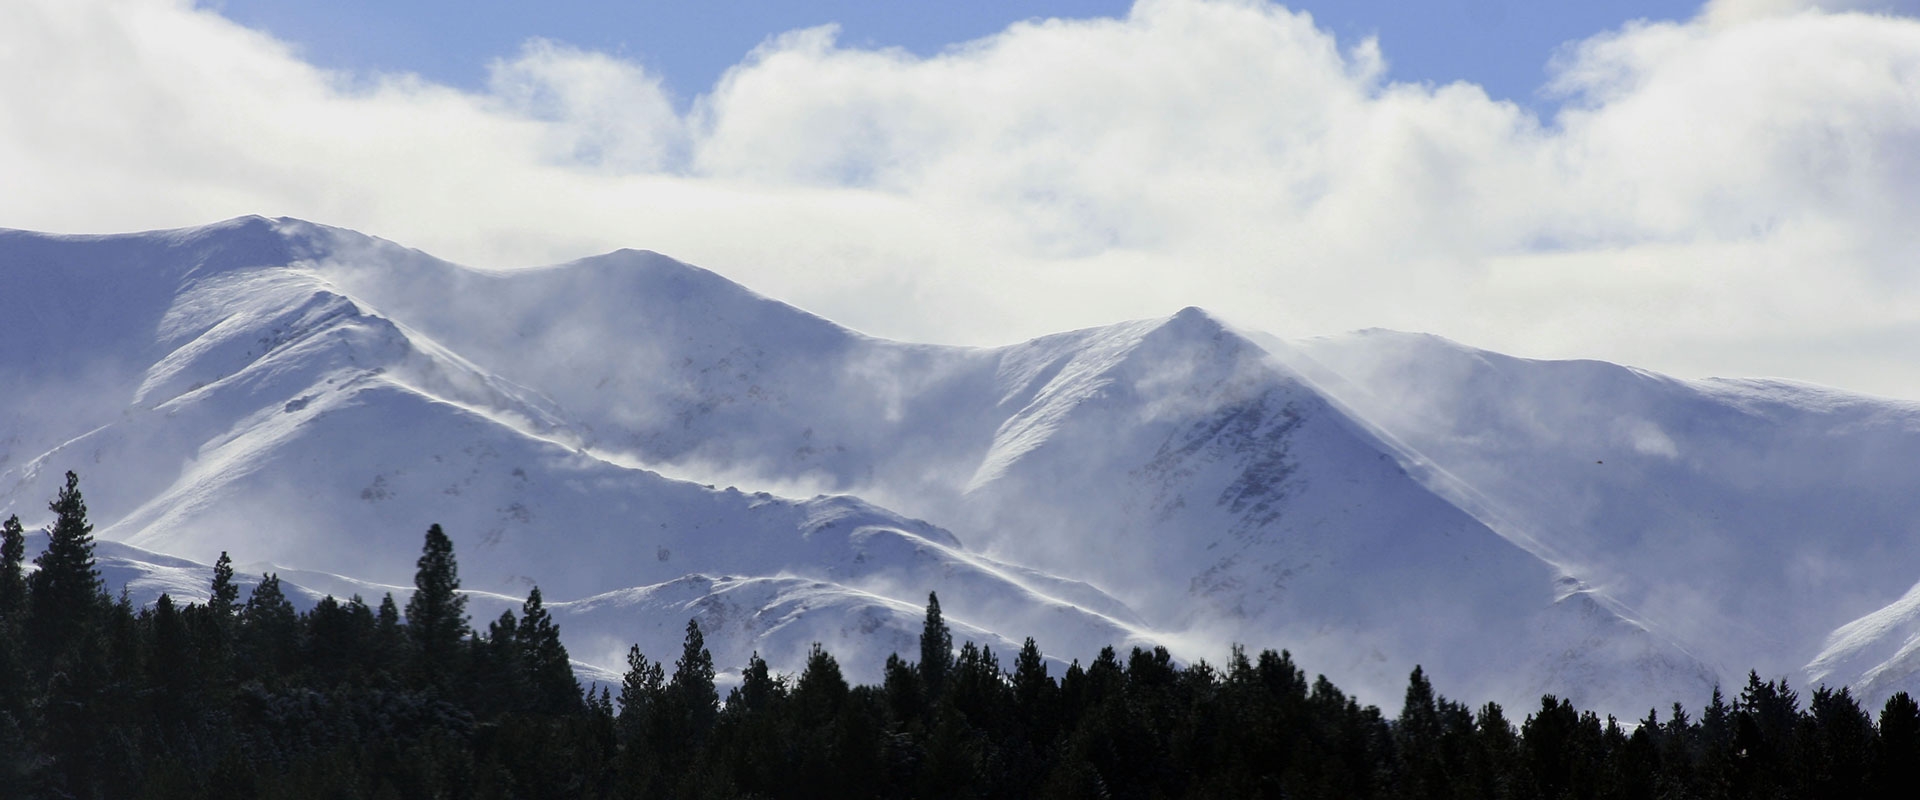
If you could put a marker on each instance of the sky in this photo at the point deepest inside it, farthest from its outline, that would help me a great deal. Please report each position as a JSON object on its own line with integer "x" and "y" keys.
{"x": 1499, "y": 45}
{"x": 1718, "y": 189}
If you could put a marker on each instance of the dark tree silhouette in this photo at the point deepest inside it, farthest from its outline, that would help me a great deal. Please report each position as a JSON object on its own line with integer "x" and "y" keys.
{"x": 437, "y": 612}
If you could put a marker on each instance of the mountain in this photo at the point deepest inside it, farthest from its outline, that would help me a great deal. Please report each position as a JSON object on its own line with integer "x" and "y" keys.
{"x": 285, "y": 422}
{"x": 310, "y": 398}
{"x": 1755, "y": 520}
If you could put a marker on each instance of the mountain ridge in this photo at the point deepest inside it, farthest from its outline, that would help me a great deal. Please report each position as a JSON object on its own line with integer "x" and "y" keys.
{"x": 1171, "y": 480}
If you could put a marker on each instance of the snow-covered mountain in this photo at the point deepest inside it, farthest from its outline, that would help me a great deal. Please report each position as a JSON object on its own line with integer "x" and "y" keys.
{"x": 310, "y": 399}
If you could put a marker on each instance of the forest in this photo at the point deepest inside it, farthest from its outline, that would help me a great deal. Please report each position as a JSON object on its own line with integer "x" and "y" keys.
{"x": 244, "y": 699}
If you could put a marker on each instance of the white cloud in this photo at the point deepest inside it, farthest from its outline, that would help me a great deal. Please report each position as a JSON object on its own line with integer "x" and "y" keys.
{"x": 599, "y": 111}
{"x": 1729, "y": 195}
{"x": 1734, "y": 12}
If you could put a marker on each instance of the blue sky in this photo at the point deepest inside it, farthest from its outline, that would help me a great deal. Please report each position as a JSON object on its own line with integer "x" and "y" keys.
{"x": 1501, "y": 45}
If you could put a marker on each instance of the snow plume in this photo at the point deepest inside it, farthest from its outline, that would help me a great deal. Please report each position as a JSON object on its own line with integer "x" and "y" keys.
{"x": 1726, "y": 195}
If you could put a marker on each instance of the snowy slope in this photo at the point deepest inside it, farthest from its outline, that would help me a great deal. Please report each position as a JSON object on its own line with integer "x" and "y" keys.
{"x": 778, "y": 617}
{"x": 1221, "y": 489}
{"x": 1166, "y": 446}
{"x": 312, "y": 397}
{"x": 286, "y": 422}
{"x": 1750, "y": 519}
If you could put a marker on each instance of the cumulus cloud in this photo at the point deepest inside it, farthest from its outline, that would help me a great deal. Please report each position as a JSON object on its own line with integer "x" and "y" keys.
{"x": 1733, "y": 12}
{"x": 1728, "y": 195}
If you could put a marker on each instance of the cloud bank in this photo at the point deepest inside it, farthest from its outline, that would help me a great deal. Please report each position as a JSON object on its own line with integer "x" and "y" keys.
{"x": 1729, "y": 195}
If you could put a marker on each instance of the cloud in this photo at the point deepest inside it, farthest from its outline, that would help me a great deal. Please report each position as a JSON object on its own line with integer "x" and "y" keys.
{"x": 1734, "y": 12}
{"x": 1729, "y": 195}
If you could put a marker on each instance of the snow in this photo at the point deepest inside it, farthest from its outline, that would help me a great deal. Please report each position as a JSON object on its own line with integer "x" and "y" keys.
{"x": 649, "y": 442}
{"x": 1753, "y": 520}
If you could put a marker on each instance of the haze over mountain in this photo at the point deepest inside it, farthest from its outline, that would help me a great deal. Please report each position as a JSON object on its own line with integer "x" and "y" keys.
{"x": 648, "y": 441}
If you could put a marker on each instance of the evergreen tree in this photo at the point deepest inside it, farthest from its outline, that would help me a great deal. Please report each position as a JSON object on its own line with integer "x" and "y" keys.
{"x": 14, "y": 693}
{"x": 642, "y": 727}
{"x": 1551, "y": 747}
{"x": 390, "y": 638}
{"x": 269, "y": 630}
{"x": 549, "y": 671}
{"x": 337, "y": 639}
{"x": 821, "y": 690}
{"x": 437, "y": 612}
{"x": 825, "y": 765}
{"x": 693, "y": 695}
{"x": 759, "y": 690}
{"x": 13, "y": 580}
{"x": 1034, "y": 693}
{"x": 1417, "y": 735}
{"x": 936, "y": 649}
{"x": 1897, "y": 765}
{"x": 906, "y": 697}
{"x": 1839, "y": 746}
{"x": 498, "y": 681}
{"x": 171, "y": 669}
{"x": 225, "y": 593}
{"x": 66, "y": 591}
{"x": 642, "y": 691}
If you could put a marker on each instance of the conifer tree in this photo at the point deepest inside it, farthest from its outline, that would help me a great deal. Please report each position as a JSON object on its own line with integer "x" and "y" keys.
{"x": 1417, "y": 734}
{"x": 1034, "y": 690}
{"x": 549, "y": 671}
{"x": 13, "y": 581}
{"x": 821, "y": 690}
{"x": 905, "y": 695}
{"x": 172, "y": 667}
{"x": 498, "y": 682}
{"x": 1897, "y": 762}
{"x": 758, "y": 688}
{"x": 13, "y": 674}
{"x": 225, "y": 593}
{"x": 642, "y": 689}
{"x": 437, "y": 612}
{"x": 64, "y": 594}
{"x": 337, "y": 637}
{"x": 642, "y": 727}
{"x": 936, "y": 649}
{"x": 1839, "y": 744}
{"x": 696, "y": 700}
{"x": 269, "y": 629}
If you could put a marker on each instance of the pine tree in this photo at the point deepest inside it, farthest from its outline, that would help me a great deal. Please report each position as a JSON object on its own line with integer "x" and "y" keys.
{"x": 642, "y": 690}
{"x": 900, "y": 684}
{"x": 269, "y": 629}
{"x": 172, "y": 667}
{"x": 1417, "y": 735}
{"x": 225, "y": 593}
{"x": 1034, "y": 692}
{"x": 64, "y": 595}
{"x": 13, "y": 581}
{"x": 758, "y": 688}
{"x": 821, "y": 690}
{"x": 337, "y": 640}
{"x": 549, "y": 670}
{"x": 1897, "y": 767}
{"x": 696, "y": 700}
{"x": 936, "y": 649}
{"x": 1839, "y": 744}
{"x": 642, "y": 727}
{"x": 13, "y": 672}
{"x": 437, "y": 612}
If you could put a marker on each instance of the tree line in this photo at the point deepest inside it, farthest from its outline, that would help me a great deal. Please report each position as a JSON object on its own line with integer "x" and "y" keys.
{"x": 237, "y": 699}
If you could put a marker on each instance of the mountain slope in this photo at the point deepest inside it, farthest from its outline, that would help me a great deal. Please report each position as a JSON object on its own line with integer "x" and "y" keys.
{"x": 1748, "y": 518}
{"x": 1143, "y": 442}
{"x": 312, "y": 397}
{"x": 284, "y": 421}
